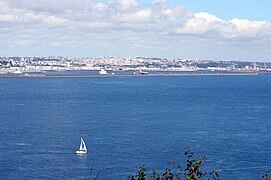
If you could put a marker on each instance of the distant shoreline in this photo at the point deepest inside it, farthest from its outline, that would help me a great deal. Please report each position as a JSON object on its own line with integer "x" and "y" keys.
{"x": 118, "y": 75}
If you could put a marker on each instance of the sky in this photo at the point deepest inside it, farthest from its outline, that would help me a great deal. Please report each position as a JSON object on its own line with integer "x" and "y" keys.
{"x": 204, "y": 29}
{"x": 227, "y": 9}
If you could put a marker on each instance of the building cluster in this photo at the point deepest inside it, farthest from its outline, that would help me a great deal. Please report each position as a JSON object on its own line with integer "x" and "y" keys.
{"x": 37, "y": 64}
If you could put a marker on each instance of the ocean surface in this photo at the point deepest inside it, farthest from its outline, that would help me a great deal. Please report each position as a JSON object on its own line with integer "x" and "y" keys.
{"x": 127, "y": 122}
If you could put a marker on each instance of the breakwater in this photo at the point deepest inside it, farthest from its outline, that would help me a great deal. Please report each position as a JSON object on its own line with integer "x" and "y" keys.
{"x": 117, "y": 75}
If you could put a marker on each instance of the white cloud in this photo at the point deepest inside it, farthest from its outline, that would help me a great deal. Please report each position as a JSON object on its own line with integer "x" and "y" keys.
{"x": 6, "y": 18}
{"x": 99, "y": 6}
{"x": 54, "y": 20}
{"x": 126, "y": 4}
{"x": 246, "y": 28}
{"x": 25, "y": 42}
{"x": 137, "y": 17}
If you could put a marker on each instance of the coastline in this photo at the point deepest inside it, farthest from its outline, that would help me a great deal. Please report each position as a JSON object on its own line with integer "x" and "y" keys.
{"x": 118, "y": 75}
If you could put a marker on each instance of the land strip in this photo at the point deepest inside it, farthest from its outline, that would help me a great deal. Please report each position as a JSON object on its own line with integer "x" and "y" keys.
{"x": 117, "y": 75}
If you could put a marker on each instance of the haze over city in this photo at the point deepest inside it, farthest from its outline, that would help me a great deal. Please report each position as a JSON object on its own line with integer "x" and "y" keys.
{"x": 216, "y": 30}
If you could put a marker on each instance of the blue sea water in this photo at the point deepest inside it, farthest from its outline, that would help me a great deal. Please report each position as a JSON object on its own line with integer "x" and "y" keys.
{"x": 132, "y": 121}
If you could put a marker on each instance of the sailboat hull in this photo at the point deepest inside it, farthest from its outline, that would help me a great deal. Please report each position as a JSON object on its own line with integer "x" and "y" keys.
{"x": 81, "y": 152}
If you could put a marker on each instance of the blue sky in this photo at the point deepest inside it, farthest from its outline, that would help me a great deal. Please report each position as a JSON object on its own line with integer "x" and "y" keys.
{"x": 205, "y": 29}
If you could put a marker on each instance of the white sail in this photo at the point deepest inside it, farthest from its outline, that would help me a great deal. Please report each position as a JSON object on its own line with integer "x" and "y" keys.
{"x": 84, "y": 146}
{"x": 81, "y": 145}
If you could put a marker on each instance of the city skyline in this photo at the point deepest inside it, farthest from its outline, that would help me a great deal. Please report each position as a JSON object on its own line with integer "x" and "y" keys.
{"x": 224, "y": 30}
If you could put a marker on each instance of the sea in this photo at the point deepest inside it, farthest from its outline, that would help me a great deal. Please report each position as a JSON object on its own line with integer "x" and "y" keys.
{"x": 128, "y": 122}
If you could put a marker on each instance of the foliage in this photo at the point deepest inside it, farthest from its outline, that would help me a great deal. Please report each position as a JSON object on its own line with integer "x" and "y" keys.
{"x": 141, "y": 174}
{"x": 190, "y": 172}
{"x": 266, "y": 176}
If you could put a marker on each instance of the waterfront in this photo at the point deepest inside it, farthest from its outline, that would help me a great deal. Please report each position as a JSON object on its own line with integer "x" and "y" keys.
{"x": 40, "y": 64}
{"x": 130, "y": 121}
{"x": 95, "y": 74}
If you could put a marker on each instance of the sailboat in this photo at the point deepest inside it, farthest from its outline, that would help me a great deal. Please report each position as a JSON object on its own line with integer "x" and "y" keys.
{"x": 83, "y": 148}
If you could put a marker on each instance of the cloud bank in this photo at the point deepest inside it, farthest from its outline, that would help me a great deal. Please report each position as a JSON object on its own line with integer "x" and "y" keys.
{"x": 127, "y": 27}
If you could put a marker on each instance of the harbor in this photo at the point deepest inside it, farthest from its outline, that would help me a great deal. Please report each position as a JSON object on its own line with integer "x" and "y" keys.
{"x": 119, "y": 75}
